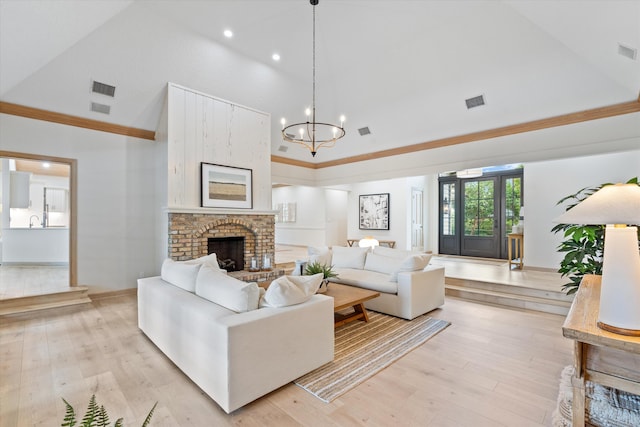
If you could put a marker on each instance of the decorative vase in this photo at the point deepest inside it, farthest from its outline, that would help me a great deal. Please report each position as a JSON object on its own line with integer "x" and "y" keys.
{"x": 323, "y": 286}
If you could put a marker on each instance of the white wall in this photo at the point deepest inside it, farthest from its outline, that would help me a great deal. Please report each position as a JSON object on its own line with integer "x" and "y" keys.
{"x": 116, "y": 197}
{"x": 547, "y": 182}
{"x": 399, "y": 214}
{"x": 320, "y": 216}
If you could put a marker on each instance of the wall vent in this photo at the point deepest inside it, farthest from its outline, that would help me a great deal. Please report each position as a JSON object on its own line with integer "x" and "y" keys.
{"x": 476, "y": 101}
{"x": 364, "y": 131}
{"x": 100, "y": 108}
{"x": 627, "y": 51}
{"x": 283, "y": 148}
{"x": 103, "y": 89}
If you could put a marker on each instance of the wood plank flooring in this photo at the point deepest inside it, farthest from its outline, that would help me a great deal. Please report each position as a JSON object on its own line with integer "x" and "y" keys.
{"x": 492, "y": 367}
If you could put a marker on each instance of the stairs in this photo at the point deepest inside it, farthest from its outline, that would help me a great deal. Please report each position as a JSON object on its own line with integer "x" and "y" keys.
{"x": 554, "y": 302}
{"x": 74, "y": 295}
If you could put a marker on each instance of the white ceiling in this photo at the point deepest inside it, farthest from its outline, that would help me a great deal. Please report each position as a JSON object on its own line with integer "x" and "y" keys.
{"x": 402, "y": 68}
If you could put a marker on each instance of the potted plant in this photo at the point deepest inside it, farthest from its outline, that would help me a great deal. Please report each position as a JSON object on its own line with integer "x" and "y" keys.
{"x": 326, "y": 270}
{"x": 583, "y": 244}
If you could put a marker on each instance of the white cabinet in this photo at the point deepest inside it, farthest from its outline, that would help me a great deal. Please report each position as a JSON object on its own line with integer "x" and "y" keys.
{"x": 56, "y": 199}
{"x": 19, "y": 189}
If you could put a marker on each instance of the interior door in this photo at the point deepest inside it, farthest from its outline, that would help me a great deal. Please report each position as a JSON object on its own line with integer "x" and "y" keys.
{"x": 481, "y": 221}
{"x": 417, "y": 214}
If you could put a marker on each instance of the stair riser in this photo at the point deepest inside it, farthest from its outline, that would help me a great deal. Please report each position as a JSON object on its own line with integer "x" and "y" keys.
{"x": 509, "y": 301}
{"x": 509, "y": 289}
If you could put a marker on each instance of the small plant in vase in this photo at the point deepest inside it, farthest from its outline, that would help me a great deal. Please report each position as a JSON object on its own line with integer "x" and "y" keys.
{"x": 326, "y": 270}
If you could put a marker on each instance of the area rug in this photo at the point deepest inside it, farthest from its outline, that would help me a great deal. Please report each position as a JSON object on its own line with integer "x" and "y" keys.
{"x": 364, "y": 349}
{"x": 605, "y": 406}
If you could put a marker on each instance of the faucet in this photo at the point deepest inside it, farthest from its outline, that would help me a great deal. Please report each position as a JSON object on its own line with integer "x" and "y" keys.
{"x": 30, "y": 218}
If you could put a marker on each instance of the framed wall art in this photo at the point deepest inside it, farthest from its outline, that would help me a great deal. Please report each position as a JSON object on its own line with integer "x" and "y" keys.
{"x": 226, "y": 186}
{"x": 374, "y": 211}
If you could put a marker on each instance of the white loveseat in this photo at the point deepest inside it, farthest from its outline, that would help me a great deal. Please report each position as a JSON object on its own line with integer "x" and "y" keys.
{"x": 234, "y": 355}
{"x": 408, "y": 285}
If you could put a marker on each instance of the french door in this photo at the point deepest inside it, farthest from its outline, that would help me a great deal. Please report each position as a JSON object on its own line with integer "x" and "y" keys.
{"x": 476, "y": 214}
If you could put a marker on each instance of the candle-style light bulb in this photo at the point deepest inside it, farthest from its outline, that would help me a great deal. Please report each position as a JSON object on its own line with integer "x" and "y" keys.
{"x": 342, "y": 121}
{"x": 301, "y": 133}
{"x": 335, "y": 131}
{"x": 307, "y": 112}
{"x": 283, "y": 122}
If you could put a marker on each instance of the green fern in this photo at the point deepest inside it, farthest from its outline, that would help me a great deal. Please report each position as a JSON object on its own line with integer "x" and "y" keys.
{"x": 96, "y": 415}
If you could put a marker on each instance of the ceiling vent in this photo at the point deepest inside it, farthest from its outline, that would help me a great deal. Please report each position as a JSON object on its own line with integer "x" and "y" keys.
{"x": 627, "y": 51}
{"x": 283, "y": 148}
{"x": 103, "y": 89}
{"x": 364, "y": 131}
{"x": 476, "y": 101}
{"x": 100, "y": 108}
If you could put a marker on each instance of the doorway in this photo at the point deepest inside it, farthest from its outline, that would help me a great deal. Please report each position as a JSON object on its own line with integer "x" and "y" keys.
{"x": 476, "y": 214}
{"x": 49, "y": 210}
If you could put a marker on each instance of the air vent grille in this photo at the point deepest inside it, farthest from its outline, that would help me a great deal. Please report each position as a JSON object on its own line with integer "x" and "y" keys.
{"x": 476, "y": 101}
{"x": 627, "y": 51}
{"x": 364, "y": 131}
{"x": 103, "y": 89}
{"x": 283, "y": 148}
{"x": 100, "y": 108}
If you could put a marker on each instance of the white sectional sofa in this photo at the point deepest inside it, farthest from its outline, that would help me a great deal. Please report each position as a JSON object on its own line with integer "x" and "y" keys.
{"x": 408, "y": 285}
{"x": 233, "y": 350}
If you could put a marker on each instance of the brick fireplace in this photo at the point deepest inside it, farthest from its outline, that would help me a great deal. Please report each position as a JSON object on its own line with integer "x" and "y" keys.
{"x": 189, "y": 233}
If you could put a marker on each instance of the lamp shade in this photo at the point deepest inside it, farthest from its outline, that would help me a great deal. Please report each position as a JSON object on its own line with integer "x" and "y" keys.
{"x": 368, "y": 242}
{"x": 612, "y": 204}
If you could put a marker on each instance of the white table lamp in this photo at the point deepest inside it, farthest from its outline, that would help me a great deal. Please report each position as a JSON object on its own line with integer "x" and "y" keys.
{"x": 616, "y": 206}
{"x": 368, "y": 242}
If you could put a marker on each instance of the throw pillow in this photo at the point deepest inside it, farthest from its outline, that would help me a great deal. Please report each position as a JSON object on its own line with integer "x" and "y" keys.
{"x": 227, "y": 291}
{"x": 382, "y": 264}
{"x": 291, "y": 290}
{"x": 414, "y": 262}
{"x": 348, "y": 257}
{"x": 180, "y": 274}
{"x": 320, "y": 254}
{"x": 391, "y": 252}
{"x": 210, "y": 261}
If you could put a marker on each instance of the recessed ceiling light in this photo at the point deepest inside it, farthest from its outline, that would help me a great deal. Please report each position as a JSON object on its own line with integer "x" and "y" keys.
{"x": 228, "y": 33}
{"x": 46, "y": 165}
{"x": 275, "y": 57}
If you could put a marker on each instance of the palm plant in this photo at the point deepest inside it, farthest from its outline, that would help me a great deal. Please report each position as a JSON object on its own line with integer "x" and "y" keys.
{"x": 583, "y": 245}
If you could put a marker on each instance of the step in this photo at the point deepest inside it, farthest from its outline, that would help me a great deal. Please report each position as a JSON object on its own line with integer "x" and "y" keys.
{"x": 509, "y": 289}
{"x": 74, "y": 295}
{"x": 546, "y": 305}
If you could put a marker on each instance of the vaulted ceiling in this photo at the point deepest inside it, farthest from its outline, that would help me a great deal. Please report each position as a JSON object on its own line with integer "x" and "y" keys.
{"x": 401, "y": 68}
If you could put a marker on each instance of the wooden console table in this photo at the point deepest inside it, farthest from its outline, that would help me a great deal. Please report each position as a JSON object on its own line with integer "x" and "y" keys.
{"x": 387, "y": 243}
{"x": 599, "y": 356}
{"x": 516, "y": 257}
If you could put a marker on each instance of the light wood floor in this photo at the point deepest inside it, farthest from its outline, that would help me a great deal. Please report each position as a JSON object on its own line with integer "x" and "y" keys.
{"x": 493, "y": 367}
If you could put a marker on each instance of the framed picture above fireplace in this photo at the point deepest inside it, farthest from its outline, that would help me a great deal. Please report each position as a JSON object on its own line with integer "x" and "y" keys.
{"x": 226, "y": 186}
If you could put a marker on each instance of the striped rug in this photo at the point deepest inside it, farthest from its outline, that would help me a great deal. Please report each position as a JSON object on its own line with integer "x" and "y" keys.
{"x": 364, "y": 349}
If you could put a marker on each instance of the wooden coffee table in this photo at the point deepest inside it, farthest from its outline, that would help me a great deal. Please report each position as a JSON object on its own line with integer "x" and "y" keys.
{"x": 349, "y": 296}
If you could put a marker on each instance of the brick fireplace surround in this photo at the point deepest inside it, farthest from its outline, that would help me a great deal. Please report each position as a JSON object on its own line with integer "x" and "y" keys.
{"x": 188, "y": 233}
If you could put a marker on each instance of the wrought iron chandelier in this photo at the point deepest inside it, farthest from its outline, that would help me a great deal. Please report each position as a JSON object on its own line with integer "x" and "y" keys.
{"x": 312, "y": 134}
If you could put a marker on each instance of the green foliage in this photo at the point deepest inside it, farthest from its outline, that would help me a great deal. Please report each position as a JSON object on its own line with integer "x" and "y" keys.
{"x": 315, "y": 268}
{"x": 583, "y": 245}
{"x": 96, "y": 416}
